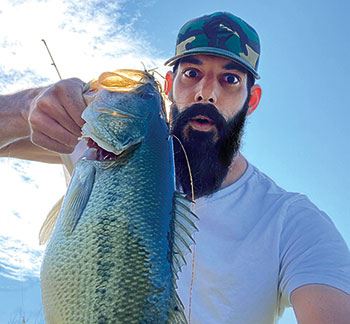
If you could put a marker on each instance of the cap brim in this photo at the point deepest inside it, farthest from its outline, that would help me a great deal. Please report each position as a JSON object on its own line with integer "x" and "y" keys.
{"x": 215, "y": 52}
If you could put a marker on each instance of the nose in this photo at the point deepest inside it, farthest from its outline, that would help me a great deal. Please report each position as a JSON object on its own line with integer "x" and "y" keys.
{"x": 207, "y": 90}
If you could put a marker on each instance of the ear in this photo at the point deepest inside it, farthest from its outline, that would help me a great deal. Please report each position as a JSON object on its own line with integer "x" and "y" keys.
{"x": 255, "y": 96}
{"x": 168, "y": 83}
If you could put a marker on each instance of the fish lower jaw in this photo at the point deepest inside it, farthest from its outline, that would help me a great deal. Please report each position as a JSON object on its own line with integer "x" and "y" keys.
{"x": 100, "y": 154}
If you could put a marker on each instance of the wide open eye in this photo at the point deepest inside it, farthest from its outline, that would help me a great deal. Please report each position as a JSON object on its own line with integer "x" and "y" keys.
{"x": 146, "y": 95}
{"x": 231, "y": 78}
{"x": 191, "y": 73}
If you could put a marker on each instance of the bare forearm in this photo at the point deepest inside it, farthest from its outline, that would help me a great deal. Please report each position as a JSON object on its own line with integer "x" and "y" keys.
{"x": 14, "y": 110}
{"x": 26, "y": 150}
{"x": 39, "y": 124}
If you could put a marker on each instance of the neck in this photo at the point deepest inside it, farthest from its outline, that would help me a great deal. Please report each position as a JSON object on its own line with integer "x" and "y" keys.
{"x": 237, "y": 168}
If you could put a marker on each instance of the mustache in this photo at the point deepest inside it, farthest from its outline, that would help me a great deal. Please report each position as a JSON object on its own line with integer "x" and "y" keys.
{"x": 207, "y": 110}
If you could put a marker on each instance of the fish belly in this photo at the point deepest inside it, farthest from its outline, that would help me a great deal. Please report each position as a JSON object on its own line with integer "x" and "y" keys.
{"x": 115, "y": 267}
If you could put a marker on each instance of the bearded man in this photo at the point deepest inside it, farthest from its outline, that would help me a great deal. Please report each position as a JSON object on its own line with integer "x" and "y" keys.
{"x": 259, "y": 248}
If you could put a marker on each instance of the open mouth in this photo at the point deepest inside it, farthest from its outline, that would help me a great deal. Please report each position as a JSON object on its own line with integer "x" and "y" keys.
{"x": 202, "y": 123}
{"x": 101, "y": 154}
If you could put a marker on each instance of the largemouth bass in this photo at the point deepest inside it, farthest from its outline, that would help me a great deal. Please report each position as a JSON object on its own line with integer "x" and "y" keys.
{"x": 122, "y": 231}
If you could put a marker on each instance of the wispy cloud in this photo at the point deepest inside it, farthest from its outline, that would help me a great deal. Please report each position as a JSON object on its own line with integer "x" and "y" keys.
{"x": 28, "y": 191}
{"x": 12, "y": 78}
{"x": 85, "y": 37}
{"x": 19, "y": 260}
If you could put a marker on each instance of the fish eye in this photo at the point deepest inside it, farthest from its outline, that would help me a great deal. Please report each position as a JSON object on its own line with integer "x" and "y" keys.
{"x": 146, "y": 95}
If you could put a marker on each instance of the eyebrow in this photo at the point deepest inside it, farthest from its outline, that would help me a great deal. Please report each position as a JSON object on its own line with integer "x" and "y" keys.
{"x": 229, "y": 66}
{"x": 191, "y": 59}
{"x": 235, "y": 66}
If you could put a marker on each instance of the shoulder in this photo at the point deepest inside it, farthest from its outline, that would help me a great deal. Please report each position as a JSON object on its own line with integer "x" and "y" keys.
{"x": 254, "y": 193}
{"x": 295, "y": 208}
{"x": 268, "y": 192}
{"x": 305, "y": 221}
{"x": 312, "y": 250}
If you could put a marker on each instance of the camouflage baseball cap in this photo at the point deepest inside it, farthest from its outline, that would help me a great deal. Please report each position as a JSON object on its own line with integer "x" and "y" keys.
{"x": 222, "y": 34}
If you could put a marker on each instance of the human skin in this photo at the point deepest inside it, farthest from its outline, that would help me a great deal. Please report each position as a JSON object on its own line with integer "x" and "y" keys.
{"x": 205, "y": 81}
{"x": 218, "y": 81}
{"x": 24, "y": 133}
{"x": 38, "y": 124}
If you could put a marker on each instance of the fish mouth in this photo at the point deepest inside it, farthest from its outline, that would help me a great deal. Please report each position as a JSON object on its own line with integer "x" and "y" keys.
{"x": 100, "y": 150}
{"x": 202, "y": 123}
{"x": 101, "y": 154}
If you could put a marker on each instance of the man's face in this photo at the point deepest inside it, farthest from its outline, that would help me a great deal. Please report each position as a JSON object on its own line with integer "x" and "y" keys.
{"x": 210, "y": 102}
{"x": 210, "y": 79}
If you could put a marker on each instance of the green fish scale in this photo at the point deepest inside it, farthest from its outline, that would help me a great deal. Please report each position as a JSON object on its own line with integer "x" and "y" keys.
{"x": 88, "y": 276}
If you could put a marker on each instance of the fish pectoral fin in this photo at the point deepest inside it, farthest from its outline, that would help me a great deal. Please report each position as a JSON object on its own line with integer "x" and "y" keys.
{"x": 77, "y": 196}
{"x": 49, "y": 223}
{"x": 184, "y": 228}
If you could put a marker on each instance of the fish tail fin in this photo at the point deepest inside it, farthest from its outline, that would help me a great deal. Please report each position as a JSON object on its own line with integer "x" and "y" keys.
{"x": 49, "y": 223}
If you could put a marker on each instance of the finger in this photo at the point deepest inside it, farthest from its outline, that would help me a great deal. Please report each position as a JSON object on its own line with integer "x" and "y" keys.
{"x": 48, "y": 143}
{"x": 71, "y": 98}
{"x": 42, "y": 123}
{"x": 50, "y": 107}
{"x": 64, "y": 103}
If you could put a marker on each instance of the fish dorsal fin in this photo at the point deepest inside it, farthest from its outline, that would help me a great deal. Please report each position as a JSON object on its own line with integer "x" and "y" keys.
{"x": 49, "y": 223}
{"x": 183, "y": 228}
{"x": 78, "y": 195}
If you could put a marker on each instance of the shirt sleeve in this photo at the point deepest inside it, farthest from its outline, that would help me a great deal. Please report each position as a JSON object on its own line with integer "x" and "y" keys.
{"x": 312, "y": 251}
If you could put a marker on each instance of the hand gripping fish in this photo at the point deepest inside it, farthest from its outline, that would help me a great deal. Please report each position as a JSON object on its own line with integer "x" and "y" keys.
{"x": 122, "y": 231}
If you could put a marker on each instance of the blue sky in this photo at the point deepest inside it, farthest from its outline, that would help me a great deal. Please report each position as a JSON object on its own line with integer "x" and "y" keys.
{"x": 298, "y": 135}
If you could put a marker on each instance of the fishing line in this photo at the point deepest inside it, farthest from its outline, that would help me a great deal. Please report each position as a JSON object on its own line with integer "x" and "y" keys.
{"x": 193, "y": 209}
{"x": 188, "y": 166}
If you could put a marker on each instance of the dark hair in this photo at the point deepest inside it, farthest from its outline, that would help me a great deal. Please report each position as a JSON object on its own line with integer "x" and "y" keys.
{"x": 250, "y": 76}
{"x": 250, "y": 80}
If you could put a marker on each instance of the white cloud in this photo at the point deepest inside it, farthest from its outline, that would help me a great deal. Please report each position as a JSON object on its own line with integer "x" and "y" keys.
{"x": 84, "y": 37}
{"x": 28, "y": 191}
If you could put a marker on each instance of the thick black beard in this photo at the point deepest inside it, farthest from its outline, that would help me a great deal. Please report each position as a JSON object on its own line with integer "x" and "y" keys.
{"x": 209, "y": 158}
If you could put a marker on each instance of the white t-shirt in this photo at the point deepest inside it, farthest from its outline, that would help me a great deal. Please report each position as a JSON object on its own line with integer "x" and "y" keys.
{"x": 256, "y": 244}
